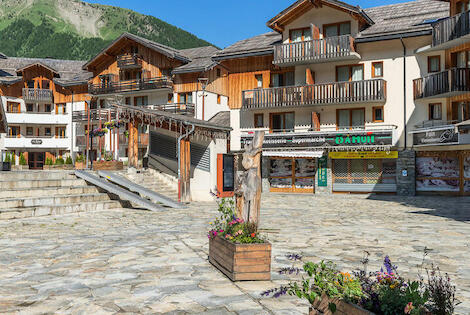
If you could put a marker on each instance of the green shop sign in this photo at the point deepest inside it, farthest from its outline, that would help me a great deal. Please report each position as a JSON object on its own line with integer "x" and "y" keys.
{"x": 340, "y": 139}
{"x": 323, "y": 171}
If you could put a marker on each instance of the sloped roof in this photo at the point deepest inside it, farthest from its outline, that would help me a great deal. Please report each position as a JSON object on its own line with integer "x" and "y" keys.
{"x": 221, "y": 119}
{"x": 200, "y": 60}
{"x": 163, "y": 49}
{"x": 69, "y": 71}
{"x": 404, "y": 18}
{"x": 254, "y": 46}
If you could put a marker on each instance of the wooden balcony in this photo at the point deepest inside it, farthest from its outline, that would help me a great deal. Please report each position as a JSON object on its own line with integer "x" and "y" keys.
{"x": 95, "y": 114}
{"x": 131, "y": 86}
{"x": 37, "y": 95}
{"x": 175, "y": 108}
{"x": 129, "y": 61}
{"x": 365, "y": 91}
{"x": 313, "y": 51}
{"x": 446, "y": 83}
{"x": 451, "y": 31}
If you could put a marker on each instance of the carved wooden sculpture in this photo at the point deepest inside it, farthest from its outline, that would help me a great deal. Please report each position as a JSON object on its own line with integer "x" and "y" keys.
{"x": 249, "y": 188}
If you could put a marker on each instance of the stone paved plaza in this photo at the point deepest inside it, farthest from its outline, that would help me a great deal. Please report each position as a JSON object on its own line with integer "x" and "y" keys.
{"x": 133, "y": 261}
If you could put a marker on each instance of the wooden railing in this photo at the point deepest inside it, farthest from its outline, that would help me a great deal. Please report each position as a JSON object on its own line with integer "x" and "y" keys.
{"x": 451, "y": 28}
{"x": 143, "y": 139}
{"x": 131, "y": 86}
{"x": 176, "y": 108}
{"x": 447, "y": 81}
{"x": 317, "y": 94}
{"x": 37, "y": 95}
{"x": 317, "y": 49}
{"x": 129, "y": 61}
{"x": 82, "y": 115}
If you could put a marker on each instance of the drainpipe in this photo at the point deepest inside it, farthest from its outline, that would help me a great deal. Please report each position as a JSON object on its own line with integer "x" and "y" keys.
{"x": 404, "y": 94}
{"x": 179, "y": 159}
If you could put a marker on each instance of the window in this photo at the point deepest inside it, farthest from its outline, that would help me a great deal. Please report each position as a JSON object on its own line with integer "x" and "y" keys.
{"x": 282, "y": 122}
{"x": 283, "y": 79}
{"x": 141, "y": 101}
{"x": 218, "y": 73}
{"x": 134, "y": 50}
{"x": 14, "y": 131}
{"x": 337, "y": 29}
{"x": 259, "y": 80}
{"x": 377, "y": 69}
{"x": 128, "y": 101}
{"x": 461, "y": 111}
{"x": 166, "y": 72}
{"x": 350, "y": 118}
{"x": 185, "y": 98}
{"x": 170, "y": 98}
{"x": 29, "y": 107}
{"x": 378, "y": 114}
{"x": 47, "y": 108}
{"x": 47, "y": 132}
{"x": 30, "y": 84}
{"x": 435, "y": 111}
{"x": 60, "y": 109}
{"x": 350, "y": 73}
{"x": 29, "y": 131}
{"x": 219, "y": 99}
{"x": 461, "y": 6}
{"x": 259, "y": 120}
{"x": 45, "y": 84}
{"x": 434, "y": 64}
{"x": 60, "y": 132}
{"x": 300, "y": 34}
{"x": 461, "y": 59}
{"x": 13, "y": 107}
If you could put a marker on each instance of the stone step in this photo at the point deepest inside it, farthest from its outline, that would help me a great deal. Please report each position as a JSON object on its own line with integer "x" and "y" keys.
{"x": 35, "y": 175}
{"x": 47, "y": 191}
{"x": 51, "y": 201}
{"x": 33, "y": 184}
{"x": 17, "y": 213}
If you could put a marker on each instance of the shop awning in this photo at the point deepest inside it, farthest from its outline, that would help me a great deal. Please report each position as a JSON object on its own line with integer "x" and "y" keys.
{"x": 294, "y": 154}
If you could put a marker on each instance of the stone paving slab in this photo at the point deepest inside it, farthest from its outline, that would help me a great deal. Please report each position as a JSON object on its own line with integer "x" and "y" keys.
{"x": 138, "y": 262}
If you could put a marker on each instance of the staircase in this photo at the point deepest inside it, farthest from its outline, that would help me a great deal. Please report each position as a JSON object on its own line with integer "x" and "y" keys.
{"x": 154, "y": 180}
{"x": 37, "y": 193}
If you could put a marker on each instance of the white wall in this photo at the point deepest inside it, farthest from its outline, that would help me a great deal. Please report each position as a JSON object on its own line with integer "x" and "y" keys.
{"x": 210, "y": 104}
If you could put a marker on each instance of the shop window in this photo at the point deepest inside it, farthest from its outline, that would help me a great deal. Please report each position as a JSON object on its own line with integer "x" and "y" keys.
{"x": 350, "y": 118}
{"x": 435, "y": 111}
{"x": 377, "y": 69}
{"x": 259, "y": 120}
{"x": 378, "y": 114}
{"x": 29, "y": 107}
{"x": 350, "y": 73}
{"x": 337, "y": 29}
{"x": 438, "y": 172}
{"x": 363, "y": 171}
{"x": 292, "y": 174}
{"x": 47, "y": 132}
{"x": 29, "y": 131}
{"x": 282, "y": 122}
{"x": 300, "y": 34}
{"x": 434, "y": 64}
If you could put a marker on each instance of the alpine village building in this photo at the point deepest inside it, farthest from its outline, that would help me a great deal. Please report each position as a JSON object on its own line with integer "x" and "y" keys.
{"x": 351, "y": 100}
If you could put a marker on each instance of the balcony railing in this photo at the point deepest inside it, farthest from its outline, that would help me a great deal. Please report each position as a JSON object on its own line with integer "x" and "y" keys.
{"x": 317, "y": 50}
{"x": 129, "y": 61}
{"x": 317, "y": 94}
{"x": 37, "y": 95}
{"x": 451, "y": 28}
{"x": 176, "y": 108}
{"x": 143, "y": 139}
{"x": 82, "y": 115}
{"x": 131, "y": 86}
{"x": 441, "y": 84}
{"x": 81, "y": 141}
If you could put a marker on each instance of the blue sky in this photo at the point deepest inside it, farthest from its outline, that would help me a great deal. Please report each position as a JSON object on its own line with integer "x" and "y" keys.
{"x": 219, "y": 22}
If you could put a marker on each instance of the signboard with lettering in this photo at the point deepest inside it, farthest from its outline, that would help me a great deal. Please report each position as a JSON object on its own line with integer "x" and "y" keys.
{"x": 442, "y": 136}
{"x": 315, "y": 140}
{"x": 36, "y": 141}
{"x": 323, "y": 171}
{"x": 364, "y": 155}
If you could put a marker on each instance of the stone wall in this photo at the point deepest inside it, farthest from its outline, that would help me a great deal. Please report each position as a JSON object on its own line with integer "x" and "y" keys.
{"x": 406, "y": 173}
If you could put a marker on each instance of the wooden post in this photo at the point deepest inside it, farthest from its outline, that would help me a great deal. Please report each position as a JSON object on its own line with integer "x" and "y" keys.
{"x": 185, "y": 171}
{"x": 130, "y": 146}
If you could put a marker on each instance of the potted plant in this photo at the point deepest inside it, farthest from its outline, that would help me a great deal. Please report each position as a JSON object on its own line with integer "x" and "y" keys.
{"x": 6, "y": 164}
{"x": 23, "y": 163}
{"x": 108, "y": 164}
{"x": 80, "y": 162}
{"x": 48, "y": 164}
{"x": 236, "y": 248}
{"x": 68, "y": 163}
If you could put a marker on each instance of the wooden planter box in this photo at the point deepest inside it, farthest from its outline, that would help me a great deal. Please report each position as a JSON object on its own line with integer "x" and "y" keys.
{"x": 19, "y": 167}
{"x": 57, "y": 167}
{"x": 79, "y": 165}
{"x": 342, "y": 307}
{"x": 108, "y": 166}
{"x": 241, "y": 261}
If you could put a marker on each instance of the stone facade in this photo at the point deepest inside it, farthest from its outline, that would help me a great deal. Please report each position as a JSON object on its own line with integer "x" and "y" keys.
{"x": 406, "y": 173}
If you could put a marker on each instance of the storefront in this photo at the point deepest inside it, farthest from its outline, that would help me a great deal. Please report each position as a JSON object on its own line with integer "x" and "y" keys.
{"x": 352, "y": 161}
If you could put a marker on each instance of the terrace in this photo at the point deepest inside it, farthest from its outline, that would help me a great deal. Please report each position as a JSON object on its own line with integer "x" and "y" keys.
{"x": 446, "y": 83}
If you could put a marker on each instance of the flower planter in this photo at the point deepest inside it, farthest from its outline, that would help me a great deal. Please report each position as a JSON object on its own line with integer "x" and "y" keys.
{"x": 80, "y": 165}
{"x": 241, "y": 261}
{"x": 108, "y": 166}
{"x": 19, "y": 167}
{"x": 57, "y": 167}
{"x": 342, "y": 307}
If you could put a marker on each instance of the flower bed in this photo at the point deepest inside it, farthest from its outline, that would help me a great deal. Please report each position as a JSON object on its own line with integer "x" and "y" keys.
{"x": 235, "y": 247}
{"x": 108, "y": 166}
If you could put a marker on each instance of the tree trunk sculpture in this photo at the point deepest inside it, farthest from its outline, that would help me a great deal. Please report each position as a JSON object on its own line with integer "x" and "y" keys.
{"x": 249, "y": 188}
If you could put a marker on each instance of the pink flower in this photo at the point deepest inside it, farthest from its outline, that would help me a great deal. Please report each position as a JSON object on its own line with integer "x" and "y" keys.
{"x": 408, "y": 308}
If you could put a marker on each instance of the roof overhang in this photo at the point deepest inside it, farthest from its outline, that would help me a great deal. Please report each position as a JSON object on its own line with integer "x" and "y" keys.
{"x": 71, "y": 83}
{"x": 235, "y": 55}
{"x": 37, "y": 64}
{"x": 299, "y": 7}
{"x": 194, "y": 69}
{"x": 130, "y": 37}
{"x": 381, "y": 37}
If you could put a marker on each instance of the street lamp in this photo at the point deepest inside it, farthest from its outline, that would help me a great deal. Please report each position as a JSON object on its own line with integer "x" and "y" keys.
{"x": 203, "y": 82}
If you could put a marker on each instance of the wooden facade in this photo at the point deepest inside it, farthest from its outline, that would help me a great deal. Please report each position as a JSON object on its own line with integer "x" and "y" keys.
{"x": 217, "y": 84}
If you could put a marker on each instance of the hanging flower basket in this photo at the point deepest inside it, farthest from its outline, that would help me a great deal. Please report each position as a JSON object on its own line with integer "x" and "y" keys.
{"x": 98, "y": 132}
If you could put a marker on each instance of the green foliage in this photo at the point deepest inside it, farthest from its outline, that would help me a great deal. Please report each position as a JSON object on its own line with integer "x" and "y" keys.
{"x": 49, "y": 161}
{"x": 68, "y": 160}
{"x": 7, "y": 157}
{"x": 395, "y": 297}
{"x": 59, "y": 161}
{"x": 22, "y": 159}
{"x": 80, "y": 158}
{"x": 30, "y": 32}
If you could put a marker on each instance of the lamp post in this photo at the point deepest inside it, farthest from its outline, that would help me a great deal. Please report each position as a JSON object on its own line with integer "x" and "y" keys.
{"x": 203, "y": 82}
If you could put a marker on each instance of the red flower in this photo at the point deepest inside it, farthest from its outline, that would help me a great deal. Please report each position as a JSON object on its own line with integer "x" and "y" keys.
{"x": 253, "y": 234}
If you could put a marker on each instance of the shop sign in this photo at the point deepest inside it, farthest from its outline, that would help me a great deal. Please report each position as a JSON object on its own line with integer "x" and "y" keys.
{"x": 436, "y": 137}
{"x": 323, "y": 140}
{"x": 36, "y": 141}
{"x": 364, "y": 155}
{"x": 323, "y": 171}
